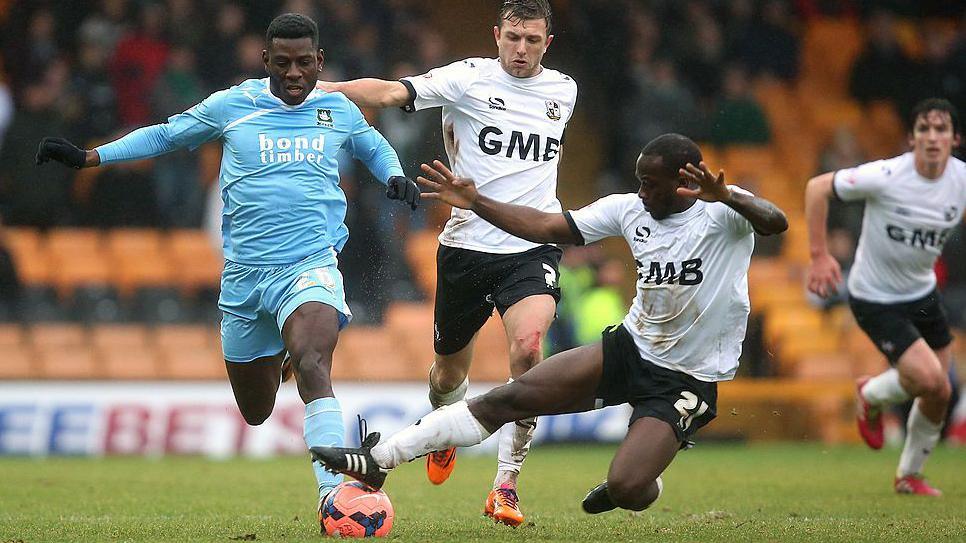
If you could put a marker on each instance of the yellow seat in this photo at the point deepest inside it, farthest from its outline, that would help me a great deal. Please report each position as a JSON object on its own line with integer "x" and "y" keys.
{"x": 69, "y": 363}
{"x": 187, "y": 336}
{"x": 196, "y": 262}
{"x": 421, "y": 246}
{"x": 54, "y": 334}
{"x": 491, "y": 359}
{"x": 28, "y": 249}
{"x": 119, "y": 336}
{"x": 190, "y": 363}
{"x": 369, "y": 354}
{"x": 131, "y": 362}
{"x": 411, "y": 327}
{"x": 798, "y": 318}
{"x": 18, "y": 362}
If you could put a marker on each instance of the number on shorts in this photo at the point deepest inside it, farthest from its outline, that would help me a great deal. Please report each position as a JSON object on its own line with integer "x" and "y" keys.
{"x": 688, "y": 407}
{"x": 551, "y": 277}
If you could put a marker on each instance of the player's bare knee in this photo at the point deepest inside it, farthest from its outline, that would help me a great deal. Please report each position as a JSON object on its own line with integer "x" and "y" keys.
{"x": 938, "y": 388}
{"x": 256, "y": 415}
{"x": 526, "y": 350}
{"x": 312, "y": 366}
{"x": 632, "y": 495}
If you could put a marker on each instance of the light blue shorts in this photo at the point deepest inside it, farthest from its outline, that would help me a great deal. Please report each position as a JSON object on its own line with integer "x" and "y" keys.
{"x": 256, "y": 300}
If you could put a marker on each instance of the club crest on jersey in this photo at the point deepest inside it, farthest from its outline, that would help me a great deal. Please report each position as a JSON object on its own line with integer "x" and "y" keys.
{"x": 950, "y": 213}
{"x": 553, "y": 110}
{"x": 323, "y": 117}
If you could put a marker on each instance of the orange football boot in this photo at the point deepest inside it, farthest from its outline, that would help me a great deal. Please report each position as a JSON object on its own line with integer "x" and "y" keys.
{"x": 503, "y": 505}
{"x": 440, "y": 464}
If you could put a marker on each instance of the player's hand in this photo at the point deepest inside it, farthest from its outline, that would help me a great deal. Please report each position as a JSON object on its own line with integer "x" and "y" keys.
{"x": 711, "y": 188}
{"x": 446, "y": 187}
{"x": 403, "y": 188}
{"x": 62, "y": 151}
{"x": 824, "y": 275}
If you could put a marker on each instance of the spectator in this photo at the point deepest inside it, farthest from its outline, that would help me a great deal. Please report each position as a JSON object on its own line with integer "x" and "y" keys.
{"x": 218, "y": 64}
{"x": 122, "y": 195}
{"x": 138, "y": 62}
{"x": 843, "y": 152}
{"x": 769, "y": 46}
{"x": 35, "y": 197}
{"x": 881, "y": 71}
{"x": 10, "y": 286}
{"x": 739, "y": 119}
{"x": 90, "y": 105}
{"x": 953, "y": 261}
{"x": 106, "y": 25}
{"x": 661, "y": 104}
{"x": 603, "y": 304}
{"x": 942, "y": 71}
{"x": 180, "y": 196}
{"x": 6, "y": 106}
{"x": 248, "y": 58}
{"x": 186, "y": 25}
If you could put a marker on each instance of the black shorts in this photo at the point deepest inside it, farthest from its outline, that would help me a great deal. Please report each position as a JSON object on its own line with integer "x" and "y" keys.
{"x": 678, "y": 399}
{"x": 469, "y": 284}
{"x": 895, "y": 327}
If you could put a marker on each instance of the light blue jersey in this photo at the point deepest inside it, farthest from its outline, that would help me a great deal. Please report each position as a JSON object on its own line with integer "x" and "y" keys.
{"x": 279, "y": 174}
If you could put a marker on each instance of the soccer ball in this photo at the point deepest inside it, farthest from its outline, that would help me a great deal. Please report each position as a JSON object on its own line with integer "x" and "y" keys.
{"x": 354, "y": 510}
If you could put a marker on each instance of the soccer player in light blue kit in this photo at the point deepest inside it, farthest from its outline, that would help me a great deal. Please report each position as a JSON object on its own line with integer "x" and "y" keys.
{"x": 282, "y": 222}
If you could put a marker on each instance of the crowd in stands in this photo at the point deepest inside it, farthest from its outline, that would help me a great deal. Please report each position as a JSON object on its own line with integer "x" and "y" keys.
{"x": 90, "y": 70}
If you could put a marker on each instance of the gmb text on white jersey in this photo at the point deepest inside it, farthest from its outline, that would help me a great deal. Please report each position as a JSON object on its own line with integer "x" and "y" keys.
{"x": 691, "y": 308}
{"x": 907, "y": 220}
{"x": 506, "y": 136}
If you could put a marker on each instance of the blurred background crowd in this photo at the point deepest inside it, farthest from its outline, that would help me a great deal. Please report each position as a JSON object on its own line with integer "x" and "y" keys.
{"x": 775, "y": 91}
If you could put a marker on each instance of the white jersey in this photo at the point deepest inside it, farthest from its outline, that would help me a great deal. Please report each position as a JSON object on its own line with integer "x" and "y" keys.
{"x": 907, "y": 220}
{"x": 504, "y": 133}
{"x": 691, "y": 307}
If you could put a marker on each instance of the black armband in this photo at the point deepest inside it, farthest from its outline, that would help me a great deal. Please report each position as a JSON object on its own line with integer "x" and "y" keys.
{"x": 409, "y": 106}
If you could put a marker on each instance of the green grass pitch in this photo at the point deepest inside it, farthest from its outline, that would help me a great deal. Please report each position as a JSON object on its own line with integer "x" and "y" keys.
{"x": 773, "y": 492}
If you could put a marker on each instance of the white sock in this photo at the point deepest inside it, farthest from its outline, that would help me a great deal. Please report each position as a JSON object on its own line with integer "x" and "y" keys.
{"x": 921, "y": 436}
{"x": 515, "y": 438}
{"x": 449, "y": 426}
{"x": 439, "y": 399}
{"x": 884, "y": 389}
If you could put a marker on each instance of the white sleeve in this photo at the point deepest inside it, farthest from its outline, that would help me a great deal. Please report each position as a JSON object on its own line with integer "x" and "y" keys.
{"x": 444, "y": 85}
{"x": 861, "y": 182}
{"x": 729, "y": 218}
{"x": 602, "y": 218}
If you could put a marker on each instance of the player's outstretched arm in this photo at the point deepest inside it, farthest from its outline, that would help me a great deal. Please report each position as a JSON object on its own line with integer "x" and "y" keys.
{"x": 65, "y": 152}
{"x": 521, "y": 221}
{"x": 764, "y": 216}
{"x": 370, "y": 92}
{"x": 824, "y": 272}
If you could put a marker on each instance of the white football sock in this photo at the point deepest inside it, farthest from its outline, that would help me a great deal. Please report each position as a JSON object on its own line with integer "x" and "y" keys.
{"x": 439, "y": 399}
{"x": 449, "y": 426}
{"x": 885, "y": 389}
{"x": 921, "y": 436}
{"x": 515, "y": 438}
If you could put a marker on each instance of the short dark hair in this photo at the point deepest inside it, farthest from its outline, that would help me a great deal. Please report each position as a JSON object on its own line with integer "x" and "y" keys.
{"x": 934, "y": 104}
{"x": 675, "y": 151}
{"x": 525, "y": 10}
{"x": 292, "y": 26}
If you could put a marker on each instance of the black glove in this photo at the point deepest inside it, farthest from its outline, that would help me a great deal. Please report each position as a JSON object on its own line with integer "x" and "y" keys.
{"x": 403, "y": 188}
{"x": 62, "y": 151}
